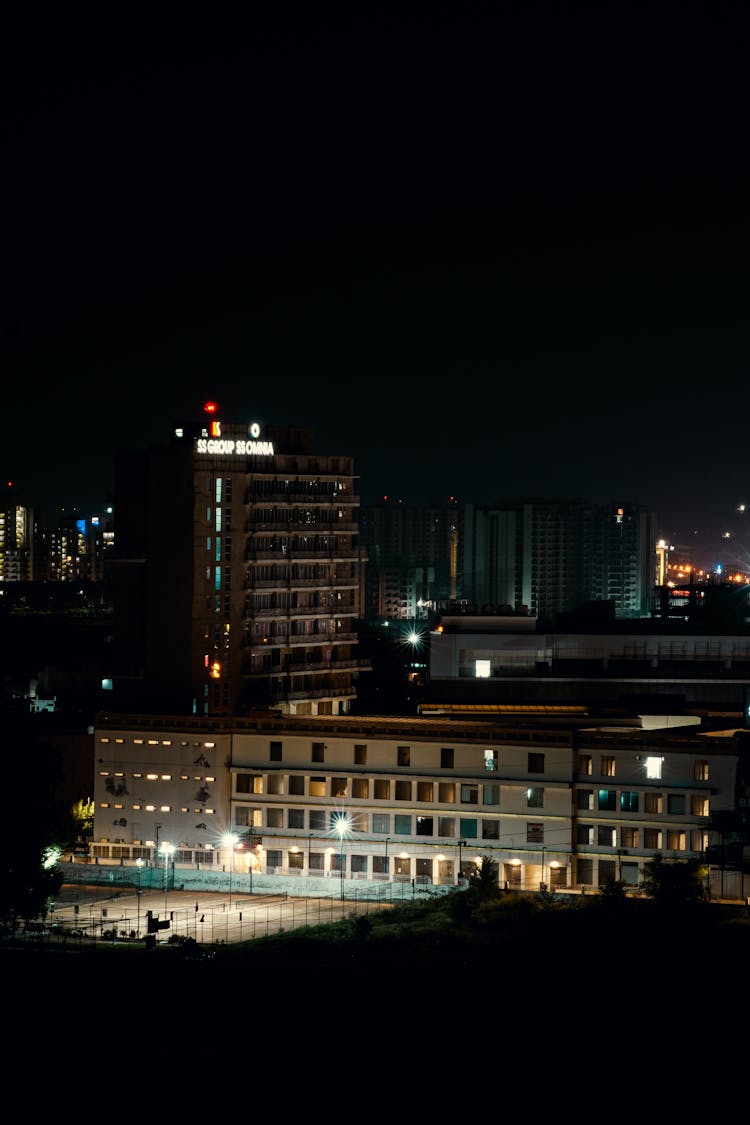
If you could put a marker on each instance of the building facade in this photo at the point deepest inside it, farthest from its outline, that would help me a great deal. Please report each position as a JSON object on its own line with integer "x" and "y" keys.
{"x": 551, "y": 556}
{"x": 384, "y": 799}
{"x": 236, "y": 574}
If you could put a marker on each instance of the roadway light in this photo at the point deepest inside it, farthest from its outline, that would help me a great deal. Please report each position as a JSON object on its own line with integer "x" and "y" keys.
{"x": 139, "y": 865}
{"x": 342, "y": 826}
{"x": 461, "y": 844}
{"x": 166, "y": 850}
{"x": 229, "y": 840}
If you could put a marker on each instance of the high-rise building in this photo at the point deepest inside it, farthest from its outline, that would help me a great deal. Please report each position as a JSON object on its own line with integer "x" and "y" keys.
{"x": 236, "y": 574}
{"x": 16, "y": 538}
{"x": 412, "y": 557}
{"x": 552, "y": 556}
{"x": 75, "y": 548}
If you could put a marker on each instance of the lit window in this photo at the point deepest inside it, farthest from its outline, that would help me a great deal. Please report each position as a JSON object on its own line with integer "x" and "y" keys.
{"x": 482, "y": 669}
{"x": 653, "y": 767}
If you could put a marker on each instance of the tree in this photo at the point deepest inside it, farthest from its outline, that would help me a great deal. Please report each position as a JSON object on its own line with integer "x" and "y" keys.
{"x": 483, "y": 879}
{"x": 675, "y": 883}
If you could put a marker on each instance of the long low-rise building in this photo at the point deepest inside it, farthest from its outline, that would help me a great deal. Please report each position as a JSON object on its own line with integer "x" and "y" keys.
{"x": 558, "y": 806}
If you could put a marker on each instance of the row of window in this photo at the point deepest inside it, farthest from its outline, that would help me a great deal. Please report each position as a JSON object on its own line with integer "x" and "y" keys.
{"x": 653, "y": 764}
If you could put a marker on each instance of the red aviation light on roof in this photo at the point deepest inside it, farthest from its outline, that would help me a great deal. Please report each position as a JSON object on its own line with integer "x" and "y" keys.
{"x": 210, "y": 408}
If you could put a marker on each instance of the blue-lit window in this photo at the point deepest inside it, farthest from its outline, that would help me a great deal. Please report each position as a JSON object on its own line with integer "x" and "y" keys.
{"x": 468, "y": 828}
{"x": 608, "y": 799}
{"x": 217, "y": 578}
{"x": 402, "y": 824}
{"x": 628, "y": 802}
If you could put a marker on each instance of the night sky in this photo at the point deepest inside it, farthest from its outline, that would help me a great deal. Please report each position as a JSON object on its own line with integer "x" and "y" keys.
{"x": 488, "y": 250}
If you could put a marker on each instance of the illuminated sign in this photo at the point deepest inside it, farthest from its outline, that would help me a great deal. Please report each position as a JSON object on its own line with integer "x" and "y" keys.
{"x": 235, "y": 447}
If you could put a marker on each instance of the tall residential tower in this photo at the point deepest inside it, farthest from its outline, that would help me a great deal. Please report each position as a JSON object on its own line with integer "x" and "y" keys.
{"x": 236, "y": 574}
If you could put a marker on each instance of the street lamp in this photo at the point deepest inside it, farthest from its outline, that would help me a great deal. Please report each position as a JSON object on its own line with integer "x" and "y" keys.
{"x": 342, "y": 823}
{"x": 386, "y": 855}
{"x": 166, "y": 850}
{"x": 139, "y": 865}
{"x": 230, "y": 839}
{"x": 461, "y": 844}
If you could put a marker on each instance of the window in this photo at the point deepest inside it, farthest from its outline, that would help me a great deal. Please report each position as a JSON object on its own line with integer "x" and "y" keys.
{"x": 676, "y": 804}
{"x": 403, "y": 754}
{"x": 402, "y": 825}
{"x": 402, "y": 866}
{"x": 316, "y": 820}
{"x": 424, "y": 791}
{"x": 629, "y": 837}
{"x": 653, "y": 767}
{"x": 652, "y": 838}
{"x": 628, "y": 801}
{"x": 274, "y": 818}
{"x": 490, "y": 829}
{"x": 585, "y": 799}
{"x": 584, "y": 835}
{"x": 446, "y": 792}
{"x": 469, "y": 794}
{"x": 381, "y": 822}
{"x": 297, "y": 786}
{"x": 608, "y": 799}
{"x": 360, "y": 788}
{"x": 360, "y": 754}
{"x": 318, "y": 752}
{"x": 296, "y": 818}
{"x": 358, "y": 864}
{"x": 491, "y": 760}
{"x": 424, "y": 826}
{"x": 534, "y": 832}
{"x": 608, "y": 765}
{"x": 700, "y": 771}
{"x": 316, "y": 862}
{"x": 534, "y": 798}
{"x": 698, "y": 806}
{"x": 605, "y": 836}
{"x": 338, "y": 786}
{"x": 381, "y": 789}
{"x": 275, "y": 784}
{"x": 446, "y": 758}
{"x": 402, "y": 791}
{"x": 490, "y": 794}
{"x": 242, "y": 816}
{"x": 585, "y": 765}
{"x": 317, "y": 787}
{"x": 536, "y": 763}
{"x": 447, "y": 826}
{"x": 653, "y": 803}
{"x": 242, "y": 783}
{"x": 482, "y": 669}
{"x": 296, "y": 861}
{"x": 676, "y": 841}
{"x": 379, "y": 865}
{"x": 468, "y": 828}
{"x": 274, "y": 754}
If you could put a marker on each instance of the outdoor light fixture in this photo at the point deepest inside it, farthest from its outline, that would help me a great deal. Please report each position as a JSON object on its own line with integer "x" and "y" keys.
{"x": 229, "y": 839}
{"x": 166, "y": 850}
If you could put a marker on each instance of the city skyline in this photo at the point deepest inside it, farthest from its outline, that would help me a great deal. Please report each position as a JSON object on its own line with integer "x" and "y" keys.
{"x": 486, "y": 258}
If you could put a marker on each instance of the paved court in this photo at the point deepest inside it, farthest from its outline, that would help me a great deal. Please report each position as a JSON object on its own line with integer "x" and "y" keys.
{"x": 93, "y": 911}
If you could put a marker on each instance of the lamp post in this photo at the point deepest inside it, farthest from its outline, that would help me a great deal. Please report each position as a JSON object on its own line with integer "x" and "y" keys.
{"x": 461, "y": 844}
{"x": 166, "y": 850}
{"x": 230, "y": 839}
{"x": 542, "y": 885}
{"x": 341, "y": 826}
{"x": 139, "y": 865}
{"x": 386, "y": 855}
{"x": 309, "y": 846}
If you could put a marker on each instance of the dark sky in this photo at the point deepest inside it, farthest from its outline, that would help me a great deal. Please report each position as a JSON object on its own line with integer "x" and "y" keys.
{"x": 488, "y": 250}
